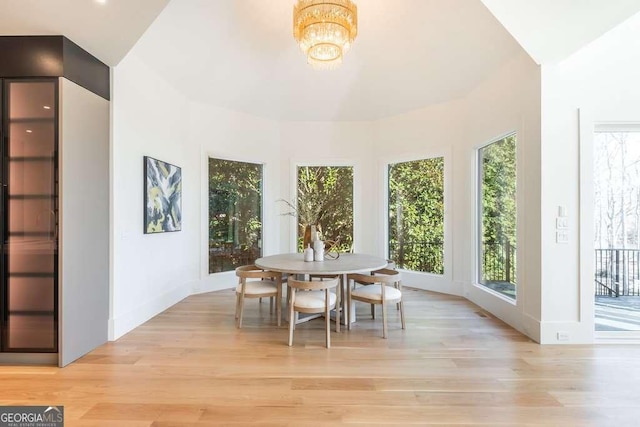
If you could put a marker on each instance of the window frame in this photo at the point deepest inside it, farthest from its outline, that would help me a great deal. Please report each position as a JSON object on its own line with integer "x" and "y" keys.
{"x": 445, "y": 265}
{"x": 420, "y": 279}
{"x": 352, "y": 197}
{"x": 478, "y": 215}
{"x": 205, "y": 207}
{"x": 293, "y": 195}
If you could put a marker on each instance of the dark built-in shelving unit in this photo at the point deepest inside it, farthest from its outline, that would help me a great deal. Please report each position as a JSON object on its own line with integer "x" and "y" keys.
{"x": 29, "y": 215}
{"x": 34, "y": 282}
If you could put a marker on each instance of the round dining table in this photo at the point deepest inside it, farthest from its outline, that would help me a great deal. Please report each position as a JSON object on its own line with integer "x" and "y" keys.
{"x": 347, "y": 263}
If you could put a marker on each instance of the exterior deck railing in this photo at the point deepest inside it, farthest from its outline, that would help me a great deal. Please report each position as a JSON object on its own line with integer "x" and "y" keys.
{"x": 499, "y": 263}
{"x": 227, "y": 256}
{"x": 617, "y": 272}
{"x": 499, "y": 259}
{"x": 426, "y": 256}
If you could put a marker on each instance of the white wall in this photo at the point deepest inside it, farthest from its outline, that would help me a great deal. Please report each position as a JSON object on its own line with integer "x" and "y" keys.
{"x": 151, "y": 272}
{"x": 597, "y": 84}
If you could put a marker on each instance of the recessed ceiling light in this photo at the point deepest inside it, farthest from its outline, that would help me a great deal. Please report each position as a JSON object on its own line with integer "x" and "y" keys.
{"x": 46, "y": 107}
{"x": 101, "y": 1}
{"x": 29, "y": 131}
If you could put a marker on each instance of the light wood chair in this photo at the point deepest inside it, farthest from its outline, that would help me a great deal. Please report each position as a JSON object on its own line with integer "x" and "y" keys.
{"x": 268, "y": 284}
{"x": 313, "y": 296}
{"x": 382, "y": 287}
{"x": 391, "y": 265}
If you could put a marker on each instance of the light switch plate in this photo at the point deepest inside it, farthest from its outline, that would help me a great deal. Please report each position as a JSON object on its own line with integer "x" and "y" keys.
{"x": 562, "y": 236}
{"x": 562, "y": 223}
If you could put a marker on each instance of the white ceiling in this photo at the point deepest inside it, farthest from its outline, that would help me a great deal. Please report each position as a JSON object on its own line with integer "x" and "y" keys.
{"x": 108, "y": 31}
{"x": 240, "y": 54}
{"x": 551, "y": 30}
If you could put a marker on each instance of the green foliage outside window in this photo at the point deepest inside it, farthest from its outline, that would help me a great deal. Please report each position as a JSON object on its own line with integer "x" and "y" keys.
{"x": 416, "y": 215}
{"x": 498, "y": 215}
{"x": 235, "y": 214}
{"x": 325, "y": 198}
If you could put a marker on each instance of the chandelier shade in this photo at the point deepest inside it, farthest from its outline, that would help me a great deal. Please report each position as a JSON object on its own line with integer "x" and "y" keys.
{"x": 325, "y": 30}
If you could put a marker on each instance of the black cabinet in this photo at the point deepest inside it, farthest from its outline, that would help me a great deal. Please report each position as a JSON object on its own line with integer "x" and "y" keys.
{"x": 29, "y": 213}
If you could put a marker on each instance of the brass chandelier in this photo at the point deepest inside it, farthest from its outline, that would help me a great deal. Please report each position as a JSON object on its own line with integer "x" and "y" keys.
{"x": 325, "y": 30}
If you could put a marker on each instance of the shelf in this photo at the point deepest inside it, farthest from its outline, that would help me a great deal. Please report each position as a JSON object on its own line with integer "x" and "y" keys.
{"x": 31, "y": 312}
{"x": 32, "y": 159}
{"x": 31, "y": 196}
{"x": 38, "y": 247}
{"x": 30, "y": 233}
{"x": 33, "y": 120}
{"x": 34, "y": 274}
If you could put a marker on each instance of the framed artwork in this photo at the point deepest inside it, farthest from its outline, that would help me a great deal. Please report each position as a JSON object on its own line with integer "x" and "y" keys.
{"x": 162, "y": 196}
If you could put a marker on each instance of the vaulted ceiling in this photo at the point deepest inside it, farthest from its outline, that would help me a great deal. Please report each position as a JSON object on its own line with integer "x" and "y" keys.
{"x": 106, "y": 30}
{"x": 240, "y": 54}
{"x": 551, "y": 30}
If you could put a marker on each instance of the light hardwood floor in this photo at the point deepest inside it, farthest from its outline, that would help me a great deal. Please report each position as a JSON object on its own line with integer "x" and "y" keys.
{"x": 454, "y": 365}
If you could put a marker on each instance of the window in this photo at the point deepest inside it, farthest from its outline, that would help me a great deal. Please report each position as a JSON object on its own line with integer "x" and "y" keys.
{"x": 325, "y": 198}
{"x": 497, "y": 216}
{"x": 235, "y": 214}
{"x": 416, "y": 215}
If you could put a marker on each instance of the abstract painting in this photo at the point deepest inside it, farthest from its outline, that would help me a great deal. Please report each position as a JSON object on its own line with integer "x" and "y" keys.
{"x": 162, "y": 196}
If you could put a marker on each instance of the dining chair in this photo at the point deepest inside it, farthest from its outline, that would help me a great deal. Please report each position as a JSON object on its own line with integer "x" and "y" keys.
{"x": 382, "y": 287}
{"x": 391, "y": 265}
{"x": 313, "y": 296}
{"x": 265, "y": 284}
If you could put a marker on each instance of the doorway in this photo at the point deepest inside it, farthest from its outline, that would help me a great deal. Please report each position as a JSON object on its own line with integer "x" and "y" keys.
{"x": 616, "y": 195}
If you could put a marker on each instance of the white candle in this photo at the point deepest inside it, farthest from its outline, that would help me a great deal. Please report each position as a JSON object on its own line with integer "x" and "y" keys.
{"x": 318, "y": 250}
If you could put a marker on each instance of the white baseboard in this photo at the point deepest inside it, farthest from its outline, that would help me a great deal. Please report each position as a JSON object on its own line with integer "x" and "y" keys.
{"x": 568, "y": 332}
{"x": 504, "y": 309}
{"x": 120, "y": 325}
{"x": 531, "y": 327}
{"x": 215, "y": 282}
{"x": 431, "y": 282}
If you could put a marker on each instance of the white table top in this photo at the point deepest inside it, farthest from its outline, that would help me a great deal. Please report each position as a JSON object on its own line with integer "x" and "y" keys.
{"x": 345, "y": 264}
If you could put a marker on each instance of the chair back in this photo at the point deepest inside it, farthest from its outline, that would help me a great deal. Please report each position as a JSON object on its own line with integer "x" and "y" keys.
{"x": 314, "y": 285}
{"x": 257, "y": 288}
{"x": 322, "y": 276}
{"x": 254, "y": 272}
{"x": 383, "y": 275}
